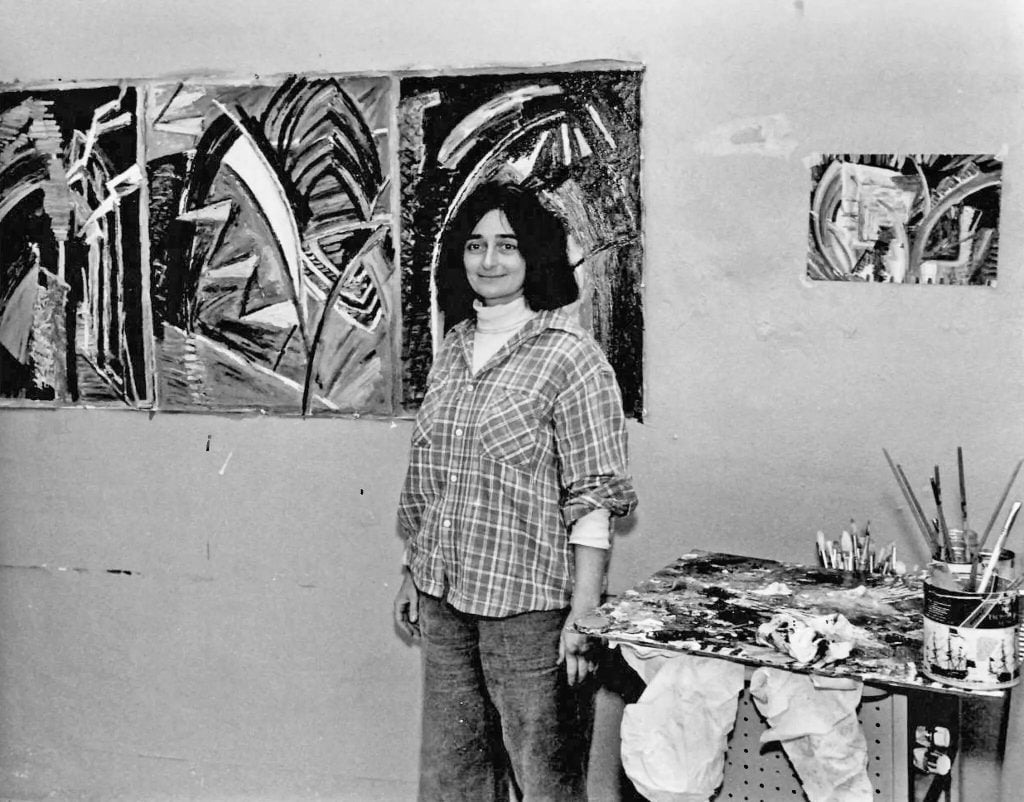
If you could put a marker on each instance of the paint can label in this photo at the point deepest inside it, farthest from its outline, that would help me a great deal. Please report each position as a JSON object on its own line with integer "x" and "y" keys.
{"x": 985, "y": 656}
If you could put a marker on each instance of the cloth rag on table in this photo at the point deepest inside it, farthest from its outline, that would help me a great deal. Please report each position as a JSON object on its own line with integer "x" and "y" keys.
{"x": 819, "y": 731}
{"x": 674, "y": 738}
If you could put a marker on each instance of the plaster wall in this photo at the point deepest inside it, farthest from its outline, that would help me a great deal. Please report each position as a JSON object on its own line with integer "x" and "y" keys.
{"x": 199, "y": 606}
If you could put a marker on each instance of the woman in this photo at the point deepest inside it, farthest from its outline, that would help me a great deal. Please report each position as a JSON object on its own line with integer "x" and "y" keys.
{"x": 518, "y": 461}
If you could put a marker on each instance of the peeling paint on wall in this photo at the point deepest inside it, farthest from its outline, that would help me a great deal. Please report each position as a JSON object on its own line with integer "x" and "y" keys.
{"x": 770, "y": 136}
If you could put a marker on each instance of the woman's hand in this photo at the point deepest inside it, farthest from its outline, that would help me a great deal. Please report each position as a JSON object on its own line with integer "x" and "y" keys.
{"x": 407, "y": 606}
{"x": 576, "y": 650}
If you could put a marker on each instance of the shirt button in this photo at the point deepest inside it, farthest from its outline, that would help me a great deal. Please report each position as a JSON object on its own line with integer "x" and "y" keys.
{"x": 454, "y": 477}
{"x": 446, "y": 523}
{"x": 458, "y": 432}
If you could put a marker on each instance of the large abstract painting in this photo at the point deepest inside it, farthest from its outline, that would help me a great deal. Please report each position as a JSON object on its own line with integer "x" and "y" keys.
{"x": 270, "y": 241}
{"x": 200, "y": 245}
{"x": 571, "y": 136}
{"x": 905, "y": 219}
{"x": 73, "y": 322}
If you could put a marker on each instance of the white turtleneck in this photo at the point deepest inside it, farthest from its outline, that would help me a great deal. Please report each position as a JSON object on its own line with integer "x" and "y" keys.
{"x": 495, "y": 326}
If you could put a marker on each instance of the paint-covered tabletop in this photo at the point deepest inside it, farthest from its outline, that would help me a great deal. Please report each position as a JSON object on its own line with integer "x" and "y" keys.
{"x": 748, "y": 610}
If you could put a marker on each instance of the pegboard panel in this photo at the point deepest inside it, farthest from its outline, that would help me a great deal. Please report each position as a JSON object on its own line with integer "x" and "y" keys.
{"x": 756, "y": 772}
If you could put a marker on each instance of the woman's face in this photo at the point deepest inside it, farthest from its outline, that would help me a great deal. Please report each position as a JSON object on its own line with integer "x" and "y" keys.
{"x": 494, "y": 266}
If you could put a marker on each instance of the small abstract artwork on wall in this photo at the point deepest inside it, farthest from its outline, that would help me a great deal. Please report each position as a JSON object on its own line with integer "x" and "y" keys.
{"x": 216, "y": 245}
{"x": 574, "y": 138}
{"x": 905, "y": 218}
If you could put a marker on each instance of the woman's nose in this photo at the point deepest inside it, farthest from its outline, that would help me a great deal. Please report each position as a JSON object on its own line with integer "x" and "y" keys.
{"x": 490, "y": 256}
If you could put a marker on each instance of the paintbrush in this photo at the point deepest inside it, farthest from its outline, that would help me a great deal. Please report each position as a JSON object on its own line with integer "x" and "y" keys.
{"x": 882, "y": 559}
{"x": 860, "y": 545}
{"x": 866, "y": 552}
{"x": 971, "y": 542}
{"x": 821, "y": 550}
{"x": 846, "y": 546}
{"x": 997, "y": 549}
{"x": 947, "y": 546}
{"x": 973, "y": 578}
{"x": 915, "y": 508}
{"x": 887, "y": 565}
{"x": 999, "y": 506}
{"x": 963, "y": 489}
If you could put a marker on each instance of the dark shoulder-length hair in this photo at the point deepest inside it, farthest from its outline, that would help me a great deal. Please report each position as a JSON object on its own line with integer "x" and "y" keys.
{"x": 549, "y": 281}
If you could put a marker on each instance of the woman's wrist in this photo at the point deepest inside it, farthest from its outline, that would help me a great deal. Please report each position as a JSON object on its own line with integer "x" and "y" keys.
{"x": 589, "y": 580}
{"x": 583, "y": 604}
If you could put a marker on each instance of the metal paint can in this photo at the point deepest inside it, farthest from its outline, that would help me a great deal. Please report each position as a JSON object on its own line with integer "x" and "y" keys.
{"x": 985, "y": 656}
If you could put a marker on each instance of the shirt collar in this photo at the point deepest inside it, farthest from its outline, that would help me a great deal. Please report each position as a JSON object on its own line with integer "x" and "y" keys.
{"x": 564, "y": 318}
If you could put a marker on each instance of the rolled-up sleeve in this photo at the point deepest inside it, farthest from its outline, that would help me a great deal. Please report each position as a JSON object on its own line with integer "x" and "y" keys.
{"x": 591, "y": 442}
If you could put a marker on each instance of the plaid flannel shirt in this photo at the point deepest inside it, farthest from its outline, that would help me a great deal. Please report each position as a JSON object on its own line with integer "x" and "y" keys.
{"x": 504, "y": 462}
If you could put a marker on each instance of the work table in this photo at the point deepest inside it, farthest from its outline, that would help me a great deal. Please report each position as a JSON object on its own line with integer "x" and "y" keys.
{"x": 713, "y": 605}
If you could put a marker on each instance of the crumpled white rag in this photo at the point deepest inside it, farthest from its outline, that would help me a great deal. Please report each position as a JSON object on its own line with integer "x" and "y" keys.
{"x": 819, "y": 731}
{"x": 674, "y": 737}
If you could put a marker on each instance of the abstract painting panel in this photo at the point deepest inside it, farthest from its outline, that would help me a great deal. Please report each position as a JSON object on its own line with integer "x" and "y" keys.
{"x": 74, "y": 324}
{"x": 199, "y": 246}
{"x": 574, "y": 137}
{"x": 210, "y": 245}
{"x": 905, "y": 219}
{"x": 270, "y": 237}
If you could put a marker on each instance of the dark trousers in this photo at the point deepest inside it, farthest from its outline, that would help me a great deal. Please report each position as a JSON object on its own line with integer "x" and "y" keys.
{"x": 498, "y": 712}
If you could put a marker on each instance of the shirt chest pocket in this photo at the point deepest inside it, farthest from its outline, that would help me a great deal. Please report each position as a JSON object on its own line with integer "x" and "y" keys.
{"x": 512, "y": 427}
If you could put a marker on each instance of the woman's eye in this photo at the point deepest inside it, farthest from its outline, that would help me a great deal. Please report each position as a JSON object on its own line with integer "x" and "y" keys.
{"x": 472, "y": 247}
{"x": 509, "y": 246}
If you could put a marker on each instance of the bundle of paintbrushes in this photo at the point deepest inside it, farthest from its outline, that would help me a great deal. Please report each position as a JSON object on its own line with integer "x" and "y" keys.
{"x": 853, "y": 552}
{"x": 960, "y": 560}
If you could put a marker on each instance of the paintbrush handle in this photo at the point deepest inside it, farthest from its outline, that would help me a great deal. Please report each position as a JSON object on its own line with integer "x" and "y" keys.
{"x": 918, "y": 512}
{"x": 963, "y": 487}
{"x": 915, "y": 508}
{"x": 997, "y": 549}
{"x": 999, "y": 506}
{"x": 947, "y": 545}
{"x": 973, "y": 578}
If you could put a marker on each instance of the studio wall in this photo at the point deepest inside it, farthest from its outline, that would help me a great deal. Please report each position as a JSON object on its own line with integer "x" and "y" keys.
{"x": 198, "y": 605}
